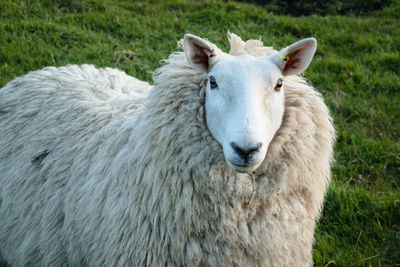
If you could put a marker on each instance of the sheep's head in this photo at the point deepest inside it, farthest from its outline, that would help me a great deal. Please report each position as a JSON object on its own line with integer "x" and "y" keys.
{"x": 245, "y": 96}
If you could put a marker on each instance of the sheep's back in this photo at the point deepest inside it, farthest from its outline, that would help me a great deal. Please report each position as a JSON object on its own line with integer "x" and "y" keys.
{"x": 51, "y": 120}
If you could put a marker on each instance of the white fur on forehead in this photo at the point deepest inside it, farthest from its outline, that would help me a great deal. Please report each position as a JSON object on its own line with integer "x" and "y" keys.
{"x": 239, "y": 47}
{"x": 251, "y": 47}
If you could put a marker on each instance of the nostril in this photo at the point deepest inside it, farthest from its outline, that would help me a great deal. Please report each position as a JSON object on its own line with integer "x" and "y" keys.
{"x": 238, "y": 150}
{"x": 245, "y": 153}
{"x": 254, "y": 149}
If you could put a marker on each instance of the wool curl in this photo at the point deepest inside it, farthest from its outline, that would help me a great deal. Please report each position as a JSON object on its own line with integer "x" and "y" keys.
{"x": 100, "y": 169}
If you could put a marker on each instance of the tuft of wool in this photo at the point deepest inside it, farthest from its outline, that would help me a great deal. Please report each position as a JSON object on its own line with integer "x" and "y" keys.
{"x": 100, "y": 169}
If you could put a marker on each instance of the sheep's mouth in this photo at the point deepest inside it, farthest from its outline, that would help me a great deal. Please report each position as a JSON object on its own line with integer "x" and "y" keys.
{"x": 241, "y": 165}
{"x": 243, "y": 168}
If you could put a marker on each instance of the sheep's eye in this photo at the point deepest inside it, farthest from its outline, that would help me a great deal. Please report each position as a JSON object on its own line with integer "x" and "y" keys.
{"x": 278, "y": 85}
{"x": 213, "y": 82}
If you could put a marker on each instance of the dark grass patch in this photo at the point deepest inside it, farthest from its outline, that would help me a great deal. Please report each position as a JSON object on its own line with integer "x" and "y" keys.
{"x": 329, "y": 7}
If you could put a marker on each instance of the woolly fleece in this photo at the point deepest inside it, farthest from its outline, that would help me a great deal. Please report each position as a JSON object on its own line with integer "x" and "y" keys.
{"x": 100, "y": 169}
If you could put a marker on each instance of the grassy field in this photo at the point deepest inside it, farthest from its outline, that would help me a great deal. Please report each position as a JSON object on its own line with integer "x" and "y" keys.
{"x": 356, "y": 68}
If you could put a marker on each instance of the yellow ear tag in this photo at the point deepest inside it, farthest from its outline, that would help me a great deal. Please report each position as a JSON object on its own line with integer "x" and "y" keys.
{"x": 283, "y": 57}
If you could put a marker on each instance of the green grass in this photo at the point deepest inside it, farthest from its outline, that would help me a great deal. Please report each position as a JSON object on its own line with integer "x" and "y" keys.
{"x": 356, "y": 68}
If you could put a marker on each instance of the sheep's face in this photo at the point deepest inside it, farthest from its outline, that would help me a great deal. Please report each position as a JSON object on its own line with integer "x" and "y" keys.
{"x": 244, "y": 108}
{"x": 245, "y": 96}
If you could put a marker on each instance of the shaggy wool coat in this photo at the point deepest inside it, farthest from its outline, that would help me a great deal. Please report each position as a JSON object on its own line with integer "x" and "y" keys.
{"x": 100, "y": 169}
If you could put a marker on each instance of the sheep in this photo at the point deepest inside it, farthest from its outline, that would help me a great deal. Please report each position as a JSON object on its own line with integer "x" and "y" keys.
{"x": 223, "y": 162}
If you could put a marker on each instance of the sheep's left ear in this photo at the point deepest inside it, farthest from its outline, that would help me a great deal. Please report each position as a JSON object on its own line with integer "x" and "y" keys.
{"x": 200, "y": 53}
{"x": 296, "y": 57}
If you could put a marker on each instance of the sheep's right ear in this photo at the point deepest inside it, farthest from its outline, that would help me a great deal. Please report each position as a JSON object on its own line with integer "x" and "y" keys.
{"x": 200, "y": 53}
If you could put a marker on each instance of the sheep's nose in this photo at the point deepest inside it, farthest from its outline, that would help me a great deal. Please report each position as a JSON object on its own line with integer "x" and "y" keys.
{"x": 246, "y": 153}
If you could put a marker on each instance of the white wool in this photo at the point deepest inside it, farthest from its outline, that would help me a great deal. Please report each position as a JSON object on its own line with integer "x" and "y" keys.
{"x": 100, "y": 169}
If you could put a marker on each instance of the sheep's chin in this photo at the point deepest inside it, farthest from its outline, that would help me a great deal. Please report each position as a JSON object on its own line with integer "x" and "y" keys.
{"x": 243, "y": 168}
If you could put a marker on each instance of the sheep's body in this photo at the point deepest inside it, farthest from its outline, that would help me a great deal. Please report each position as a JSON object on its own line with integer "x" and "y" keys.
{"x": 93, "y": 172}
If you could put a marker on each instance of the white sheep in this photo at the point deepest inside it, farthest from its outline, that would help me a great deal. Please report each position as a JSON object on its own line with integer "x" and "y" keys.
{"x": 224, "y": 162}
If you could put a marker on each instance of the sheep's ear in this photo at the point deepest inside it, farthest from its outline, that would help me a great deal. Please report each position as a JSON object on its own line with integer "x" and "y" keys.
{"x": 200, "y": 53}
{"x": 296, "y": 57}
